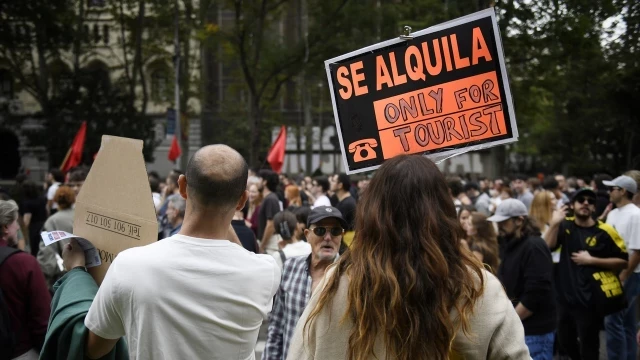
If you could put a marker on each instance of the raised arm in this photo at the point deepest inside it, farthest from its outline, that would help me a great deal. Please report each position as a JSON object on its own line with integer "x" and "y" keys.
{"x": 551, "y": 236}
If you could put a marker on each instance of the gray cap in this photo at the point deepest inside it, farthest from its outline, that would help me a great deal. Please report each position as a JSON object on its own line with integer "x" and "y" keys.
{"x": 509, "y": 208}
{"x": 624, "y": 182}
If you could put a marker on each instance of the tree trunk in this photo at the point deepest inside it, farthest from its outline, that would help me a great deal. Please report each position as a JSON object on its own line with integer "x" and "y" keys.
{"x": 306, "y": 96}
{"x": 321, "y": 126}
{"x": 255, "y": 117}
{"x": 306, "y": 108}
{"x": 209, "y": 91}
{"x": 185, "y": 79}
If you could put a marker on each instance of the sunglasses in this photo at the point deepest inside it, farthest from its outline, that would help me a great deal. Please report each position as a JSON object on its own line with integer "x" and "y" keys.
{"x": 321, "y": 231}
{"x": 590, "y": 200}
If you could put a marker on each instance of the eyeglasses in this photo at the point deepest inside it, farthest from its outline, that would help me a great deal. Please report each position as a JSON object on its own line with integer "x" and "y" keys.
{"x": 590, "y": 200}
{"x": 334, "y": 231}
{"x": 613, "y": 188}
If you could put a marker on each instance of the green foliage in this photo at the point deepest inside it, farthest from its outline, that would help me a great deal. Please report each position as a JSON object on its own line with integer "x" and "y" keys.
{"x": 107, "y": 111}
{"x": 573, "y": 83}
{"x": 54, "y": 30}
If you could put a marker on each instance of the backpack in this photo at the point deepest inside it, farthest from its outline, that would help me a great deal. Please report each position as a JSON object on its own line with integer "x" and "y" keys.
{"x": 283, "y": 257}
{"x": 7, "y": 337}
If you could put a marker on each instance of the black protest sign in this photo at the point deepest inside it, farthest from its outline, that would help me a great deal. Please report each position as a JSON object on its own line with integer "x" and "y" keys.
{"x": 444, "y": 91}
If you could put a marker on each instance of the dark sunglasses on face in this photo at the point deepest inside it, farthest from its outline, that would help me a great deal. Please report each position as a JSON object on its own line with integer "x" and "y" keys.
{"x": 590, "y": 200}
{"x": 321, "y": 231}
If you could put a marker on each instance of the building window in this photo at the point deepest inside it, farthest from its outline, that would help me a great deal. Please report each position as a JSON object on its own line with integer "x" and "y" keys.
{"x": 6, "y": 84}
{"x": 96, "y": 33}
{"x": 61, "y": 77}
{"x": 159, "y": 85}
{"x": 96, "y": 3}
{"x": 97, "y": 76}
{"x": 61, "y": 82}
{"x": 85, "y": 34}
{"x": 105, "y": 34}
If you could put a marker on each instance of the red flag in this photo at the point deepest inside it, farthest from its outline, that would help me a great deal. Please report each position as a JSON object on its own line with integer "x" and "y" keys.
{"x": 276, "y": 153}
{"x": 74, "y": 155}
{"x": 174, "y": 151}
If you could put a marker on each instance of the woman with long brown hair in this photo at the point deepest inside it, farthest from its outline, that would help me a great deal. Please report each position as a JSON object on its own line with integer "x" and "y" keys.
{"x": 483, "y": 241}
{"x": 406, "y": 289}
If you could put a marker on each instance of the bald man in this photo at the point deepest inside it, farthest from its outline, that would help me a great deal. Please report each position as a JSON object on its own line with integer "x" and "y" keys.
{"x": 192, "y": 295}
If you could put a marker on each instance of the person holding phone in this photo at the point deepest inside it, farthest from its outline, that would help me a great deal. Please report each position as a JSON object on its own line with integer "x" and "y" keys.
{"x": 588, "y": 248}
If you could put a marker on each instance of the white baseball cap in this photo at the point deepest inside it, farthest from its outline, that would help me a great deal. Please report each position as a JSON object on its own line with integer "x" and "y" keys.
{"x": 624, "y": 182}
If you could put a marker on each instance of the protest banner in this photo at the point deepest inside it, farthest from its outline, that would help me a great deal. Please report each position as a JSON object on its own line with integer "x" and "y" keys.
{"x": 114, "y": 209}
{"x": 441, "y": 91}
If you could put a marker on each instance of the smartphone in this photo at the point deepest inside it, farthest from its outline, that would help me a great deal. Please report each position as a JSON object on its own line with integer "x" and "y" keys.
{"x": 569, "y": 211}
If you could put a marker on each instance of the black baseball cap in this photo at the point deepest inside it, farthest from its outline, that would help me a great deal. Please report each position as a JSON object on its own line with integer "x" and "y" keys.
{"x": 583, "y": 191}
{"x": 322, "y": 212}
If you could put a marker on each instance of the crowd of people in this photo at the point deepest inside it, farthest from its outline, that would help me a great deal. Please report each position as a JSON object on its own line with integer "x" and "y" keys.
{"x": 405, "y": 264}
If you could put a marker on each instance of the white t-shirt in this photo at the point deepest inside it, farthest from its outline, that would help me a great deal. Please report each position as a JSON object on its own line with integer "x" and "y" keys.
{"x": 322, "y": 200}
{"x": 626, "y": 221}
{"x": 300, "y": 248}
{"x": 51, "y": 192}
{"x": 157, "y": 200}
{"x": 186, "y": 298}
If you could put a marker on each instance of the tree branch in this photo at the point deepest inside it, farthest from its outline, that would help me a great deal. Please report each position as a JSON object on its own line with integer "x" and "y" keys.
{"x": 260, "y": 31}
{"x": 127, "y": 71}
{"x": 243, "y": 55}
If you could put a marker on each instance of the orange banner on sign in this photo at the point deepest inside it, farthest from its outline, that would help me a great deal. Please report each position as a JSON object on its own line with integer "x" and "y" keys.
{"x": 437, "y": 101}
{"x": 444, "y": 131}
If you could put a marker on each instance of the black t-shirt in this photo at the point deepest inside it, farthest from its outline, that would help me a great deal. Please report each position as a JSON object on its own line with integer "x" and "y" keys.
{"x": 269, "y": 208}
{"x": 37, "y": 208}
{"x": 348, "y": 209}
{"x": 246, "y": 236}
{"x": 573, "y": 287}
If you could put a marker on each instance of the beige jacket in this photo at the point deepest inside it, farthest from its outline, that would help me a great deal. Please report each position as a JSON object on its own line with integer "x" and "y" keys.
{"x": 496, "y": 329}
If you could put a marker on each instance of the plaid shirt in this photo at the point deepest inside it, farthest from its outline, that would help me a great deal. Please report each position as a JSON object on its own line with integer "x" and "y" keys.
{"x": 291, "y": 299}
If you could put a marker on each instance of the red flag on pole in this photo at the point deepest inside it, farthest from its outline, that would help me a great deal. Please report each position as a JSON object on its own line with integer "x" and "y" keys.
{"x": 275, "y": 158}
{"x": 174, "y": 151}
{"x": 74, "y": 155}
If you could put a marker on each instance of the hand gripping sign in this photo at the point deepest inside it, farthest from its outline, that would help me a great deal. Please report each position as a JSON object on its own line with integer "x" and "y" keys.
{"x": 441, "y": 92}
{"x": 114, "y": 209}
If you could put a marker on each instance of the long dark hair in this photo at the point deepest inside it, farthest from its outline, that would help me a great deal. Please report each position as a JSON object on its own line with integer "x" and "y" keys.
{"x": 485, "y": 241}
{"x": 406, "y": 268}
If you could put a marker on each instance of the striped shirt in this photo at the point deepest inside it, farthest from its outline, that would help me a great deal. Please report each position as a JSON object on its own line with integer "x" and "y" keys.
{"x": 290, "y": 301}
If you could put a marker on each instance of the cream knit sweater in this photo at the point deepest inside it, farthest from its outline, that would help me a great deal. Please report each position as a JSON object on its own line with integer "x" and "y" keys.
{"x": 496, "y": 329}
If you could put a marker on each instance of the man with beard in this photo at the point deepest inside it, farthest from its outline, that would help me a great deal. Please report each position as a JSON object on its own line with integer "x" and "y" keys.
{"x": 526, "y": 273}
{"x": 588, "y": 247}
{"x": 301, "y": 275}
{"x": 625, "y": 218}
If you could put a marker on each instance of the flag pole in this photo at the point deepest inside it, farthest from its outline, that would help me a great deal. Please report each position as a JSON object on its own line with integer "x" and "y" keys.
{"x": 66, "y": 157}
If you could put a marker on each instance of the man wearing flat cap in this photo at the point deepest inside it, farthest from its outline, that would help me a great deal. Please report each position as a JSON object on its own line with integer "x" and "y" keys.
{"x": 301, "y": 275}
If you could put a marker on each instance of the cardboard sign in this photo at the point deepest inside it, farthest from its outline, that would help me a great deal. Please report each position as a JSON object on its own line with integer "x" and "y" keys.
{"x": 114, "y": 209}
{"x": 442, "y": 92}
